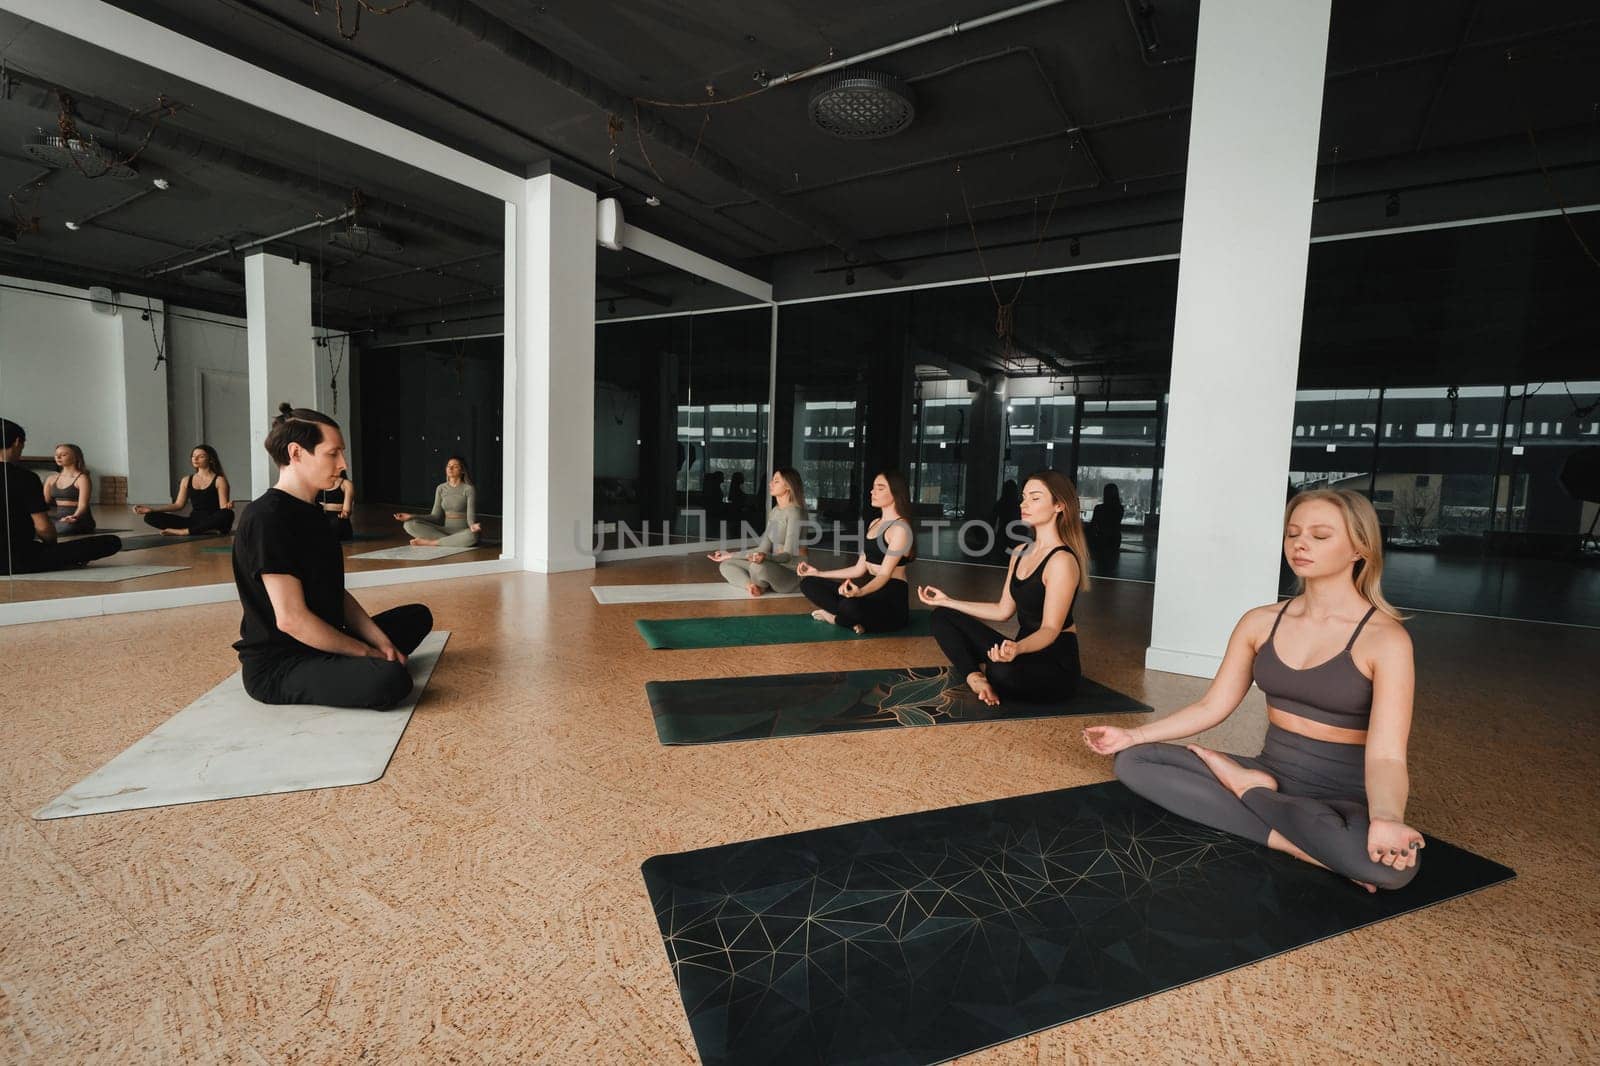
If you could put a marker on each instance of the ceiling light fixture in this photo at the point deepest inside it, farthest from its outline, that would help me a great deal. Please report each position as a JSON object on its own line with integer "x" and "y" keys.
{"x": 74, "y": 227}
{"x": 862, "y": 105}
{"x": 1392, "y": 207}
{"x": 1074, "y": 249}
{"x": 652, "y": 201}
{"x": 161, "y": 183}
{"x": 850, "y": 276}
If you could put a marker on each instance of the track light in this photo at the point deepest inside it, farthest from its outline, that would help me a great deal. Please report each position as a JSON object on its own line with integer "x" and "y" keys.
{"x": 1073, "y": 249}
{"x": 1392, "y": 208}
{"x": 652, "y": 201}
{"x": 161, "y": 183}
{"x": 74, "y": 227}
{"x": 611, "y": 307}
{"x": 850, "y": 276}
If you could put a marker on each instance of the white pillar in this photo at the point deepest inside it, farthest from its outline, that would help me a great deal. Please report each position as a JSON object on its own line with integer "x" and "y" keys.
{"x": 144, "y": 383}
{"x": 554, "y": 320}
{"x": 1259, "y": 72}
{"x": 283, "y": 361}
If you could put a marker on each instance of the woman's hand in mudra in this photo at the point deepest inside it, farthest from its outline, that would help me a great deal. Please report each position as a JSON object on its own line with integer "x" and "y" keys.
{"x": 476, "y": 527}
{"x": 848, "y": 589}
{"x": 1003, "y": 652}
{"x": 403, "y": 516}
{"x": 1109, "y": 739}
{"x": 805, "y": 570}
{"x": 720, "y": 556}
{"x": 932, "y": 596}
{"x": 757, "y": 557}
{"x": 141, "y": 508}
{"x": 1394, "y": 844}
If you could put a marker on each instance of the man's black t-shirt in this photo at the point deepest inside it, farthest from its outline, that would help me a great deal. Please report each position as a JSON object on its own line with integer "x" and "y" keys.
{"x": 24, "y": 494}
{"x": 280, "y": 534}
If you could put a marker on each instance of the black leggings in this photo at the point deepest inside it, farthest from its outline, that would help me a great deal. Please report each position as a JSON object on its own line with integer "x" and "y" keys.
{"x": 218, "y": 521}
{"x": 883, "y": 611}
{"x": 1320, "y": 805}
{"x": 62, "y": 555}
{"x": 1035, "y": 677}
{"x": 331, "y": 680}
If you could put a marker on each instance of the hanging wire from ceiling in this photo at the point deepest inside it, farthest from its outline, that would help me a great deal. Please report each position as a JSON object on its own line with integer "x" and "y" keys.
{"x": 357, "y": 6}
{"x": 67, "y": 130}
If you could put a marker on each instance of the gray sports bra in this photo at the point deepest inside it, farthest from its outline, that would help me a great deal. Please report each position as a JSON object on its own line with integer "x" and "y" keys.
{"x": 1334, "y": 693}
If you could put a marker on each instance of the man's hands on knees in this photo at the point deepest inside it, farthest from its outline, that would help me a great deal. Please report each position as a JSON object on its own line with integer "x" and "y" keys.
{"x": 387, "y": 652}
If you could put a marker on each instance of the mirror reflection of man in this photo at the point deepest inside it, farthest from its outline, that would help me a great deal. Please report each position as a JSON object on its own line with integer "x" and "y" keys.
{"x": 31, "y": 543}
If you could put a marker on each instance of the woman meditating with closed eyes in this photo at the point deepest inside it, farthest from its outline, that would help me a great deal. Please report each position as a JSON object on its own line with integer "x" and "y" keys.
{"x": 1330, "y": 785}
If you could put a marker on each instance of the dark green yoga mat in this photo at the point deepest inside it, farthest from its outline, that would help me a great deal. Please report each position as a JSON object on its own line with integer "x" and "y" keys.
{"x": 718, "y": 709}
{"x": 157, "y": 540}
{"x": 911, "y": 940}
{"x": 737, "y": 631}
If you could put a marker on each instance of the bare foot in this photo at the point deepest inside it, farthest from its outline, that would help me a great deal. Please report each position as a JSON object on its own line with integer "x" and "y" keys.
{"x": 858, "y": 630}
{"x": 1234, "y": 778}
{"x": 418, "y": 542}
{"x": 174, "y": 532}
{"x": 979, "y": 684}
{"x": 1368, "y": 885}
{"x": 823, "y": 616}
{"x": 754, "y": 589}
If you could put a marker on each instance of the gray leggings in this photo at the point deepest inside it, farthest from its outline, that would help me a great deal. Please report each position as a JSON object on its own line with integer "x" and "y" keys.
{"x": 459, "y": 538}
{"x": 777, "y": 577}
{"x": 1320, "y": 805}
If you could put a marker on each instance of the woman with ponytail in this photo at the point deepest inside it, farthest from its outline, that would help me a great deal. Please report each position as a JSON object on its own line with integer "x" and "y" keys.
{"x": 1334, "y": 662}
{"x": 1041, "y": 586}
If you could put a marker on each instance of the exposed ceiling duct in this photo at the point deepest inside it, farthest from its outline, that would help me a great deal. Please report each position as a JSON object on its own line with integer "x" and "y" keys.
{"x": 361, "y": 239}
{"x": 862, "y": 105}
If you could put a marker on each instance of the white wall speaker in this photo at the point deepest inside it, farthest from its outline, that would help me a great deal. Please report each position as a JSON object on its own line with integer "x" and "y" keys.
{"x": 103, "y": 300}
{"x": 608, "y": 224}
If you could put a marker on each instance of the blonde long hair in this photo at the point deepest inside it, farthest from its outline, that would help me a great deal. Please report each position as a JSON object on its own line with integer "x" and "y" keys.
{"x": 1069, "y": 523}
{"x": 1361, "y": 524}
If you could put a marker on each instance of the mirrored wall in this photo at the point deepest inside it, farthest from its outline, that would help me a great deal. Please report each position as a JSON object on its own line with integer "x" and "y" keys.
{"x": 138, "y": 203}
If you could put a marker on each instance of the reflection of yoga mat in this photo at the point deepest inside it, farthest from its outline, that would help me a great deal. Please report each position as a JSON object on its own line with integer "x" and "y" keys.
{"x": 746, "y": 629}
{"x": 413, "y": 553}
{"x": 683, "y": 592}
{"x": 156, "y": 540}
{"x": 94, "y": 532}
{"x": 918, "y": 938}
{"x": 789, "y": 705}
{"x": 226, "y": 745}
{"x": 100, "y": 572}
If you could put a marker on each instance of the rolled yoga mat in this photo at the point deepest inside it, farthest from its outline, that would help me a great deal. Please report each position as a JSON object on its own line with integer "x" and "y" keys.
{"x": 914, "y": 939}
{"x": 719, "y": 709}
{"x": 225, "y": 745}
{"x": 742, "y": 630}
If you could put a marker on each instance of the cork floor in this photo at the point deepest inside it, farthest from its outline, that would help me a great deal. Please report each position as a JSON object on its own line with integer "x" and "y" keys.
{"x": 483, "y": 902}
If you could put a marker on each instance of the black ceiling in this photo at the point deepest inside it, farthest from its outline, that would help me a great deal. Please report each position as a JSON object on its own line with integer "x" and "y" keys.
{"x": 1084, "y": 104}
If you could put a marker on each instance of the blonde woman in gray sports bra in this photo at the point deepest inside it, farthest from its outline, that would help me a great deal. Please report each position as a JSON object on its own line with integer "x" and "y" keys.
{"x": 770, "y": 565}
{"x": 453, "y": 523}
{"x": 1330, "y": 785}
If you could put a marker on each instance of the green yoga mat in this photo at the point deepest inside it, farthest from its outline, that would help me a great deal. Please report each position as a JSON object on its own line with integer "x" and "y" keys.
{"x": 738, "y": 631}
{"x": 713, "y": 710}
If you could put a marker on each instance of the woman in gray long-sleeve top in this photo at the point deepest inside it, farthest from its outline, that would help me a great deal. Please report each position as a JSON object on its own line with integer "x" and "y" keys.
{"x": 770, "y": 566}
{"x": 453, "y": 522}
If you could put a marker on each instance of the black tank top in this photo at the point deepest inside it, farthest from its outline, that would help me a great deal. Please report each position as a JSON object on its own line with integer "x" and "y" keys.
{"x": 206, "y": 500}
{"x": 327, "y": 496}
{"x": 1028, "y": 595}
{"x": 873, "y": 548}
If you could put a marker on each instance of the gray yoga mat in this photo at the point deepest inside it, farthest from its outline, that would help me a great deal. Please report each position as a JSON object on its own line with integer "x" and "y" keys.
{"x": 225, "y": 745}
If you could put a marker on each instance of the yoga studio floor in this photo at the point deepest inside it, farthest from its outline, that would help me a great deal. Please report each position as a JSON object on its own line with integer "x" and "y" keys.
{"x": 482, "y": 902}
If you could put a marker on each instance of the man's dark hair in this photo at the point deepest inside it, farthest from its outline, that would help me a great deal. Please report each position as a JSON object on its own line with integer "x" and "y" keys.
{"x": 10, "y": 433}
{"x": 295, "y": 425}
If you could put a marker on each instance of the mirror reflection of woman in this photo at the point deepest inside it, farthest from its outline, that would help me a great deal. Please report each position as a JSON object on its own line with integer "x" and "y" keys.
{"x": 453, "y": 523}
{"x": 1041, "y": 588}
{"x": 337, "y": 504}
{"x": 1330, "y": 784}
{"x": 770, "y": 565}
{"x": 69, "y": 492}
{"x": 881, "y": 604}
{"x": 204, "y": 492}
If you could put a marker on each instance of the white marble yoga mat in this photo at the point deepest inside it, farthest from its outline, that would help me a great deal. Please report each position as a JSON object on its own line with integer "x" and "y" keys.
{"x": 678, "y": 593}
{"x": 414, "y": 552}
{"x": 99, "y": 572}
{"x": 225, "y": 745}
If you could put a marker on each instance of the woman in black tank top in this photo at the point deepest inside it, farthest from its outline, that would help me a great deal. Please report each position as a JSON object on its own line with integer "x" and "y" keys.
{"x": 205, "y": 493}
{"x": 1334, "y": 663}
{"x": 1041, "y": 664}
{"x": 882, "y": 604}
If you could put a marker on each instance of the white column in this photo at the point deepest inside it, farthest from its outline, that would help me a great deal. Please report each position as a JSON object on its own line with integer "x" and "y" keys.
{"x": 1259, "y": 73}
{"x": 144, "y": 380}
{"x": 554, "y": 322}
{"x": 283, "y": 361}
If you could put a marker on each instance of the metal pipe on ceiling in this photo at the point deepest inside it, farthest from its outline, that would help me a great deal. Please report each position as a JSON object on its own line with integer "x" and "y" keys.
{"x": 911, "y": 42}
{"x": 258, "y": 242}
{"x": 524, "y": 50}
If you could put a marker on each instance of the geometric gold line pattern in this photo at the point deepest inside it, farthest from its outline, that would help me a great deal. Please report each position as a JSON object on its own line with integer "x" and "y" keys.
{"x": 914, "y": 939}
